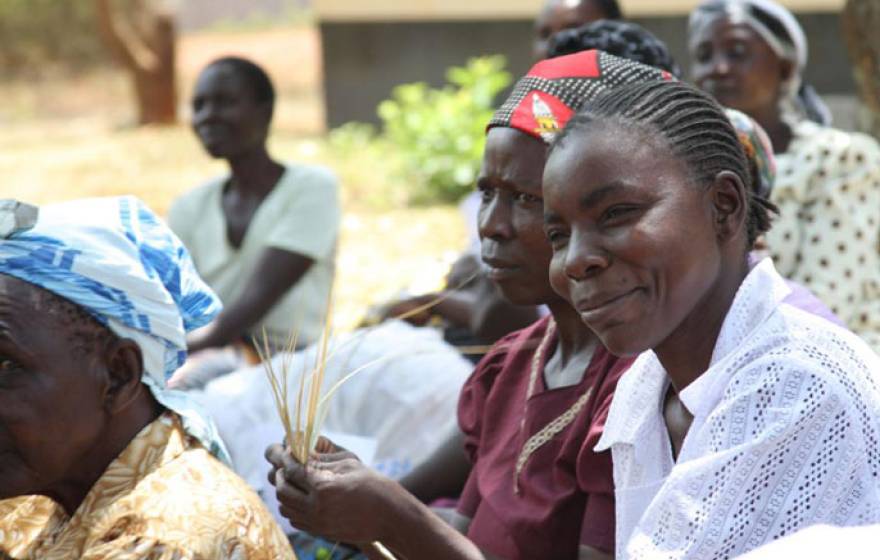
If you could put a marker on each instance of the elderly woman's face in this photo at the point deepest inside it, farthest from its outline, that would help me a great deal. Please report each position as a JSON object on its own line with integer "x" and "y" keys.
{"x": 735, "y": 65}
{"x": 511, "y": 216}
{"x": 50, "y": 405}
{"x": 634, "y": 248}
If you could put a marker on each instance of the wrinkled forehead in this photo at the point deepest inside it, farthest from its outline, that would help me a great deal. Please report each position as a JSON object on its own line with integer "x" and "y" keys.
{"x": 712, "y": 23}
{"x": 21, "y": 294}
{"x": 768, "y": 22}
{"x": 25, "y": 305}
{"x": 514, "y": 157}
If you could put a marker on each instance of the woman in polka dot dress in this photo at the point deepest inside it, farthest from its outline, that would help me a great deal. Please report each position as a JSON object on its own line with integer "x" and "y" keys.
{"x": 749, "y": 55}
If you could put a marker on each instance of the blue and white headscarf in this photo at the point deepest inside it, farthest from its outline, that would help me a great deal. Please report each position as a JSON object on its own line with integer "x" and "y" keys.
{"x": 116, "y": 259}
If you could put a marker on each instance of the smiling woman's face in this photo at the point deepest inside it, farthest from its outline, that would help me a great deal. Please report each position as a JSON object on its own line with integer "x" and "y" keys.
{"x": 634, "y": 247}
{"x": 225, "y": 113}
{"x": 511, "y": 214}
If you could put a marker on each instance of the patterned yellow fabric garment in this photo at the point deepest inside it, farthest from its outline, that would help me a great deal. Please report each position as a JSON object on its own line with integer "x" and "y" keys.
{"x": 165, "y": 497}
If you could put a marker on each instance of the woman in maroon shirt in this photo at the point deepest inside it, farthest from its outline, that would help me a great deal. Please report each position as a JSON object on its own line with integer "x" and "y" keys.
{"x": 528, "y": 495}
{"x": 533, "y": 408}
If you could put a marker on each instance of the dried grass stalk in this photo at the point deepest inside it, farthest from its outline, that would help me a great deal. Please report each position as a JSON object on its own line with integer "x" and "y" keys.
{"x": 316, "y": 381}
{"x": 302, "y": 427}
{"x": 301, "y": 435}
{"x": 278, "y": 380}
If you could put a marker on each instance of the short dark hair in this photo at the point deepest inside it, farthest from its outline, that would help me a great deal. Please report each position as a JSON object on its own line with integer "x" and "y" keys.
{"x": 256, "y": 78}
{"x": 694, "y": 127}
{"x": 610, "y": 8}
{"x": 620, "y": 38}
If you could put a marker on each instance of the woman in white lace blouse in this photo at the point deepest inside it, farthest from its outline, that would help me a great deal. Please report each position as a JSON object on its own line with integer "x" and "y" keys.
{"x": 743, "y": 419}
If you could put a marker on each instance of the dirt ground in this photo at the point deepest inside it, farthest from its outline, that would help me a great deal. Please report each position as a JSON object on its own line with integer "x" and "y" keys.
{"x": 72, "y": 137}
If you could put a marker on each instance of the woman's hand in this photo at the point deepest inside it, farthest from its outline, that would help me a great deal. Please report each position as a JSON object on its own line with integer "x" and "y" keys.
{"x": 338, "y": 498}
{"x": 335, "y": 497}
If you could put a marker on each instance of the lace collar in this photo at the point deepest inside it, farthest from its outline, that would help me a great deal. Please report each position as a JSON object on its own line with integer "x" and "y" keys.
{"x": 639, "y": 393}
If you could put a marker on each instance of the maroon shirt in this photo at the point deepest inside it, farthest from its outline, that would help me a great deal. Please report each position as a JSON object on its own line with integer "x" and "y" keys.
{"x": 566, "y": 490}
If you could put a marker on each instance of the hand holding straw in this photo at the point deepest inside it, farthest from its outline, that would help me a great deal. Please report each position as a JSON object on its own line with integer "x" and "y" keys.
{"x": 302, "y": 434}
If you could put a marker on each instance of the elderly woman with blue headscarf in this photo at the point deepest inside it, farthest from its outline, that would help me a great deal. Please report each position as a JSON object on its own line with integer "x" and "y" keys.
{"x": 97, "y": 459}
{"x": 750, "y": 55}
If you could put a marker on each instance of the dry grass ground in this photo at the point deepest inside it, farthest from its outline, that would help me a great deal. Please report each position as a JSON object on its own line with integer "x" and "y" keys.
{"x": 68, "y": 137}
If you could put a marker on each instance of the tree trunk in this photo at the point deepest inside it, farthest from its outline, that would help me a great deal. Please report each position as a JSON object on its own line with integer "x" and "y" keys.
{"x": 861, "y": 21}
{"x": 144, "y": 43}
{"x": 156, "y": 88}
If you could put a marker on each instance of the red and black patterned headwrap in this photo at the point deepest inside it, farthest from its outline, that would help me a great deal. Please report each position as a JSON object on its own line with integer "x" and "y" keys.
{"x": 546, "y": 98}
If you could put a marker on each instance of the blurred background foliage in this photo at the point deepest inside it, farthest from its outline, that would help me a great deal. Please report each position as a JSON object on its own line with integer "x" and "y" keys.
{"x": 69, "y": 131}
{"x": 37, "y": 33}
{"x": 431, "y": 139}
{"x": 426, "y": 151}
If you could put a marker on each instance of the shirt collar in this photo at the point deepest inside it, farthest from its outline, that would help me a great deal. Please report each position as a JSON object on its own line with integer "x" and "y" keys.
{"x": 639, "y": 393}
{"x": 636, "y": 402}
{"x": 157, "y": 444}
{"x": 757, "y": 298}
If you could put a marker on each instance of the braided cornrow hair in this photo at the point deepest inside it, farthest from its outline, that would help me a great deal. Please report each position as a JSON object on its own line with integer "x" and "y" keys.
{"x": 694, "y": 127}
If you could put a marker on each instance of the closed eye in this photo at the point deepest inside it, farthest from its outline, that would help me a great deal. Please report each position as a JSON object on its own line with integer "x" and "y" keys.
{"x": 556, "y": 236}
{"x": 618, "y": 213}
{"x": 485, "y": 192}
{"x": 526, "y": 198}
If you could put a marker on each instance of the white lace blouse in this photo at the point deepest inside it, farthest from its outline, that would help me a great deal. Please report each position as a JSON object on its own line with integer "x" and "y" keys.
{"x": 785, "y": 435}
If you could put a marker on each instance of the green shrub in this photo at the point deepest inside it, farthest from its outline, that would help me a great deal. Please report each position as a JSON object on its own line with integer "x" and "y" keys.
{"x": 368, "y": 166}
{"x": 434, "y": 138}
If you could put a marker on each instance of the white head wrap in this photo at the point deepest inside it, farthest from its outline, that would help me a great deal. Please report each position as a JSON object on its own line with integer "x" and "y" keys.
{"x": 756, "y": 14}
{"x": 117, "y": 260}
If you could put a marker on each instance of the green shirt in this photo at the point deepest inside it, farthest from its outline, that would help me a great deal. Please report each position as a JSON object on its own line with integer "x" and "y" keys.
{"x": 301, "y": 215}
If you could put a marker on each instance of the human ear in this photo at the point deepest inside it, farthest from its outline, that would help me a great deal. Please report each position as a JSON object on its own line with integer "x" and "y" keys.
{"x": 729, "y": 205}
{"x": 786, "y": 70}
{"x": 125, "y": 368}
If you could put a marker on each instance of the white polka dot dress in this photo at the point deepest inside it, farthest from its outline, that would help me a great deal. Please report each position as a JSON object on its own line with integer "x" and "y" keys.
{"x": 827, "y": 236}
